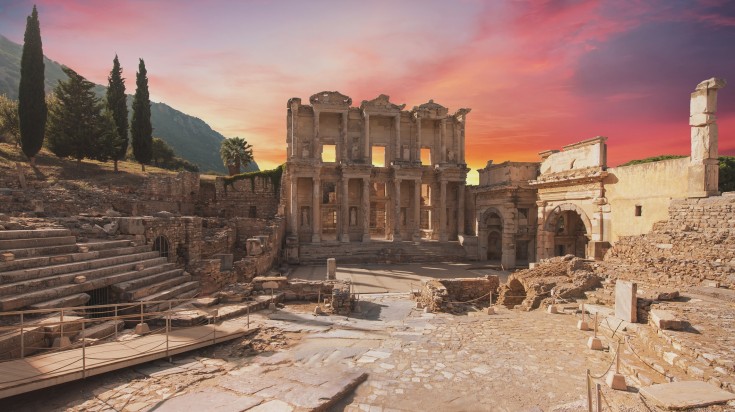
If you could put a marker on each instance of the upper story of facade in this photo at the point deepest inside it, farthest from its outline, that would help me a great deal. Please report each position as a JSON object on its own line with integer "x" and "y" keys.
{"x": 329, "y": 131}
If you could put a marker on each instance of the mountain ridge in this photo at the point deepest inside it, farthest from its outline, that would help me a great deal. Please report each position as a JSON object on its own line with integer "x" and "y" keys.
{"x": 190, "y": 137}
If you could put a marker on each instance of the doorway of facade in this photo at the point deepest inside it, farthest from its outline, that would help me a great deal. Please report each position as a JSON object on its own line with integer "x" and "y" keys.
{"x": 494, "y": 246}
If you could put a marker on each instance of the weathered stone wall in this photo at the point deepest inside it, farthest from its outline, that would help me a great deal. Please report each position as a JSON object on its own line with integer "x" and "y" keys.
{"x": 183, "y": 235}
{"x": 253, "y": 198}
{"x": 443, "y": 295}
{"x": 695, "y": 245}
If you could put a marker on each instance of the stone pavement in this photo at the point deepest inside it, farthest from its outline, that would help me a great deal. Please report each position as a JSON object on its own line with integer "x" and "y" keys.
{"x": 385, "y": 278}
{"x": 412, "y": 361}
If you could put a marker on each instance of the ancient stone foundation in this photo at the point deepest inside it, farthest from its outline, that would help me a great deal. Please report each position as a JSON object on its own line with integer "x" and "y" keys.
{"x": 446, "y": 295}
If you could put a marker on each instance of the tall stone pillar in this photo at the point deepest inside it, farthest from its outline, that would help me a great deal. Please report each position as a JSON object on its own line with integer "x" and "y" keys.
{"x": 704, "y": 163}
{"x": 417, "y": 210}
{"x": 443, "y": 138}
{"x": 418, "y": 139}
{"x": 316, "y": 213}
{"x": 399, "y": 150}
{"x": 541, "y": 238}
{"x": 443, "y": 211}
{"x": 365, "y": 210}
{"x": 397, "y": 210}
{"x": 460, "y": 209}
{"x": 344, "y": 217}
{"x": 294, "y": 205}
{"x": 317, "y": 149}
{"x": 366, "y": 131}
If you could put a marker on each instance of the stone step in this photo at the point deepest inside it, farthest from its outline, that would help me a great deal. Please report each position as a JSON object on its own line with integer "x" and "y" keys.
{"x": 35, "y": 273}
{"x": 148, "y": 280}
{"x": 43, "y": 251}
{"x": 25, "y": 286}
{"x": 78, "y": 299}
{"x": 103, "y": 330}
{"x": 31, "y": 234}
{"x": 74, "y": 256}
{"x": 172, "y": 292}
{"x": 22, "y": 300}
{"x": 105, "y": 244}
{"x": 156, "y": 287}
{"x": 37, "y": 242}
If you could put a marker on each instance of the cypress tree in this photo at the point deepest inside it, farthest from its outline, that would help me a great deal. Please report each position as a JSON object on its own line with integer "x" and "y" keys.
{"x": 141, "y": 129}
{"x": 117, "y": 103}
{"x": 74, "y": 121}
{"x": 31, "y": 97}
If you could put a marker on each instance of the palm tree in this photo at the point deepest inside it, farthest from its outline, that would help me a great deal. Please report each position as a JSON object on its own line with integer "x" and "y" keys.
{"x": 234, "y": 153}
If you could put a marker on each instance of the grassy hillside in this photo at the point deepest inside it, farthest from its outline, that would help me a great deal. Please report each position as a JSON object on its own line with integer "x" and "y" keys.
{"x": 191, "y": 137}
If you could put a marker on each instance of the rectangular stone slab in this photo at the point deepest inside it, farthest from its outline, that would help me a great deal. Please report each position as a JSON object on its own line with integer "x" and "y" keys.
{"x": 625, "y": 301}
{"x": 665, "y": 319}
{"x": 685, "y": 395}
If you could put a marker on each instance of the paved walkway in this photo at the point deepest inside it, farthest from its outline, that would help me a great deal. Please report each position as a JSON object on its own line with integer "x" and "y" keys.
{"x": 382, "y": 278}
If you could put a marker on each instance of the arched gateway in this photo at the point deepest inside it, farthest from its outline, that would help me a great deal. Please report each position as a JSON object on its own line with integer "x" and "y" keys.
{"x": 567, "y": 231}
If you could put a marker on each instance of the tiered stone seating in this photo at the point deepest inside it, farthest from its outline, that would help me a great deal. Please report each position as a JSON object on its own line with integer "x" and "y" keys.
{"x": 49, "y": 269}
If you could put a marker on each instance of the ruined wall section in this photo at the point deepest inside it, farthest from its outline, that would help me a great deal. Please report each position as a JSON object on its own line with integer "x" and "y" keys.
{"x": 256, "y": 197}
{"x": 696, "y": 245}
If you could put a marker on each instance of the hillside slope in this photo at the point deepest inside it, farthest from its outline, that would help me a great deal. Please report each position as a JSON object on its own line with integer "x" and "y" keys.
{"x": 191, "y": 138}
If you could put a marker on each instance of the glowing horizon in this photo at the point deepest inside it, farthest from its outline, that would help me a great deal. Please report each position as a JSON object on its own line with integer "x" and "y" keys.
{"x": 537, "y": 75}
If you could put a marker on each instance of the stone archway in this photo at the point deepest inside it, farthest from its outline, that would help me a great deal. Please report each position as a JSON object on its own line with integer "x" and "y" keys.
{"x": 495, "y": 235}
{"x": 162, "y": 246}
{"x": 568, "y": 231}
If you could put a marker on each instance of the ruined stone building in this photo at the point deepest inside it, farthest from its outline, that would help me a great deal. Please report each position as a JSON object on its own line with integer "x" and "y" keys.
{"x": 375, "y": 172}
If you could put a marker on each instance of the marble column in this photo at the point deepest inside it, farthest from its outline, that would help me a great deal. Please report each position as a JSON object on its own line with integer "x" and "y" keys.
{"x": 294, "y": 206}
{"x": 344, "y": 218}
{"x": 317, "y": 147}
{"x": 418, "y": 139}
{"x": 417, "y": 210}
{"x": 316, "y": 214}
{"x": 541, "y": 237}
{"x": 366, "y": 131}
{"x": 443, "y": 211}
{"x": 443, "y": 138}
{"x": 399, "y": 150}
{"x": 345, "y": 152}
{"x": 460, "y": 209}
{"x": 397, "y": 210}
{"x": 365, "y": 210}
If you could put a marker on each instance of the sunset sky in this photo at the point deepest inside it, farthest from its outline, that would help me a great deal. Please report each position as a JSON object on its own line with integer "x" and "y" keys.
{"x": 537, "y": 74}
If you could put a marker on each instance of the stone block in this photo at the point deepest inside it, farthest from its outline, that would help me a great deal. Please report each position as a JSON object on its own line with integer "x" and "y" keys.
{"x": 616, "y": 381}
{"x": 594, "y": 343}
{"x": 7, "y": 256}
{"x": 331, "y": 268}
{"x": 270, "y": 285}
{"x": 254, "y": 247}
{"x": 664, "y": 319}
{"x": 226, "y": 260}
{"x": 131, "y": 226}
{"x": 685, "y": 395}
{"x": 142, "y": 329}
{"x": 626, "y": 301}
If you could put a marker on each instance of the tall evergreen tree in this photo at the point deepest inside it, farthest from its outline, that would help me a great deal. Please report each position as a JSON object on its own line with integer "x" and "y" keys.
{"x": 32, "y": 109}
{"x": 141, "y": 129}
{"x": 117, "y": 103}
{"x": 108, "y": 143}
{"x": 74, "y": 121}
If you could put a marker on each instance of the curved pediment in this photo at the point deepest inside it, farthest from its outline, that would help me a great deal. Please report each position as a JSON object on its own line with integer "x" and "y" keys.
{"x": 431, "y": 110}
{"x": 381, "y": 104}
{"x": 331, "y": 99}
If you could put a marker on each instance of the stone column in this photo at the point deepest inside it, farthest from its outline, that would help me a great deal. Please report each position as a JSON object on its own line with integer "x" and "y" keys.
{"x": 294, "y": 206}
{"x": 443, "y": 137}
{"x": 461, "y": 143}
{"x": 316, "y": 214}
{"x": 397, "y": 210}
{"x": 418, "y": 139}
{"x": 417, "y": 210}
{"x": 365, "y": 209}
{"x": 540, "y": 232}
{"x": 345, "y": 215}
{"x": 366, "y": 131}
{"x": 460, "y": 210}
{"x": 317, "y": 147}
{"x": 443, "y": 211}
{"x": 344, "y": 153}
{"x": 399, "y": 149}
{"x": 704, "y": 163}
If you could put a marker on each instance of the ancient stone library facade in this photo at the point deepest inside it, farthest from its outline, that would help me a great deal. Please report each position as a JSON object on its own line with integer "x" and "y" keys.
{"x": 384, "y": 181}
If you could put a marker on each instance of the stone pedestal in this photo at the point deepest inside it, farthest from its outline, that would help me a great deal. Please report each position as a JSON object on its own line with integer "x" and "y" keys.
{"x": 551, "y": 309}
{"x": 331, "y": 269}
{"x": 582, "y": 325}
{"x": 616, "y": 381}
{"x": 626, "y": 301}
{"x": 594, "y": 343}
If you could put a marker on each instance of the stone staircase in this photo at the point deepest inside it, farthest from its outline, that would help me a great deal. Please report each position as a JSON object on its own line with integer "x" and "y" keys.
{"x": 380, "y": 251}
{"x": 47, "y": 268}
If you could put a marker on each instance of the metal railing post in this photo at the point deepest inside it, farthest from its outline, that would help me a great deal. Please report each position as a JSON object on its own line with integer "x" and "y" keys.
{"x": 116, "y": 320}
{"x": 248, "y": 317}
{"x": 214, "y": 326}
{"x": 84, "y": 350}
{"x": 589, "y": 391}
{"x": 168, "y": 328}
{"x": 599, "y": 398}
{"x": 141, "y": 313}
{"x": 22, "y": 341}
{"x": 61, "y": 325}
